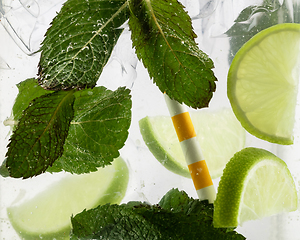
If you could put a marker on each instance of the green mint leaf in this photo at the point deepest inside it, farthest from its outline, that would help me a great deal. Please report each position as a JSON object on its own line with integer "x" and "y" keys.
{"x": 178, "y": 201}
{"x": 176, "y": 217}
{"x": 28, "y": 90}
{"x": 4, "y": 170}
{"x": 164, "y": 39}
{"x": 39, "y": 137}
{"x": 98, "y": 130}
{"x": 254, "y": 19}
{"x": 80, "y": 154}
{"x": 79, "y": 43}
{"x": 248, "y": 12}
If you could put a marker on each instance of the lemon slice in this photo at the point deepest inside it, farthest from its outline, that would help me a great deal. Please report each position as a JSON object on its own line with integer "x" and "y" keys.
{"x": 263, "y": 81}
{"x": 255, "y": 184}
{"x": 219, "y": 133}
{"x": 48, "y": 215}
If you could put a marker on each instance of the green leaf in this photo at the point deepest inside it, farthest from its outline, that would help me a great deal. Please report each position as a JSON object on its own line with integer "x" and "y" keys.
{"x": 79, "y": 43}
{"x": 176, "y": 217}
{"x": 177, "y": 201}
{"x": 40, "y": 135}
{"x": 99, "y": 129}
{"x": 254, "y": 19}
{"x": 164, "y": 39}
{"x": 28, "y": 90}
{"x": 248, "y": 12}
{"x": 3, "y": 169}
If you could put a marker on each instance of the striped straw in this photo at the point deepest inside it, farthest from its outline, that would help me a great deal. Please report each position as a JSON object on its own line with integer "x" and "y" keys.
{"x": 191, "y": 150}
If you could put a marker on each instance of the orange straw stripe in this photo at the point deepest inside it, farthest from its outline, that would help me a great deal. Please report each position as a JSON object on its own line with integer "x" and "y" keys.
{"x": 200, "y": 174}
{"x": 183, "y": 126}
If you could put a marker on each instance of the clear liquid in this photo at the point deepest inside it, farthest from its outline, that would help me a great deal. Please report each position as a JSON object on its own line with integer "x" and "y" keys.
{"x": 211, "y": 19}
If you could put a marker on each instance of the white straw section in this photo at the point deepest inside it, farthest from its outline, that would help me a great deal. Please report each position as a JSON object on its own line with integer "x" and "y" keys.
{"x": 207, "y": 191}
{"x": 191, "y": 150}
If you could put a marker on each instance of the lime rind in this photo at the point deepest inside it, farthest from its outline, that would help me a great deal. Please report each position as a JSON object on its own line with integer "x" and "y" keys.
{"x": 219, "y": 134}
{"x": 232, "y": 187}
{"x": 114, "y": 193}
{"x": 158, "y": 149}
{"x": 289, "y": 89}
{"x": 256, "y": 174}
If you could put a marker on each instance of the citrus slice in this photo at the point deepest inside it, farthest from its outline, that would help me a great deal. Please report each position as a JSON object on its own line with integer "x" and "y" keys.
{"x": 263, "y": 81}
{"x": 255, "y": 184}
{"x": 48, "y": 215}
{"x": 219, "y": 134}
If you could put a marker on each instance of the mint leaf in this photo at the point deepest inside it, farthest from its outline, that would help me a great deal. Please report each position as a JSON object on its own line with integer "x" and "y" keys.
{"x": 79, "y": 43}
{"x": 39, "y": 137}
{"x": 98, "y": 111}
{"x": 98, "y": 130}
{"x": 178, "y": 201}
{"x": 176, "y": 217}
{"x": 28, "y": 90}
{"x": 3, "y": 169}
{"x": 164, "y": 39}
{"x": 254, "y": 19}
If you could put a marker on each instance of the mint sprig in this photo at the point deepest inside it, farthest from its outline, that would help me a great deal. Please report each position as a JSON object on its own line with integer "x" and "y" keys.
{"x": 164, "y": 40}
{"x": 76, "y": 48}
{"x": 176, "y": 216}
{"x": 98, "y": 130}
{"x": 40, "y": 135}
{"x": 79, "y": 43}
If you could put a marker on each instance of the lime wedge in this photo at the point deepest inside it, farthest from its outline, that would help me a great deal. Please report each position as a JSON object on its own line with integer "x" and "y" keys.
{"x": 262, "y": 83}
{"x": 48, "y": 215}
{"x": 255, "y": 184}
{"x": 219, "y": 134}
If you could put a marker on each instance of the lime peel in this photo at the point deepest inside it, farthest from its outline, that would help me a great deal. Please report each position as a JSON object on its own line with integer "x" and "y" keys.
{"x": 262, "y": 83}
{"x": 255, "y": 184}
{"x": 219, "y": 134}
{"x": 48, "y": 215}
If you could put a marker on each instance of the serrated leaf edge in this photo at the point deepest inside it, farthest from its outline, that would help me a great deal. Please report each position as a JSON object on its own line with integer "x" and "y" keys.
{"x": 148, "y": 2}
{"x": 48, "y": 125}
{"x": 91, "y": 39}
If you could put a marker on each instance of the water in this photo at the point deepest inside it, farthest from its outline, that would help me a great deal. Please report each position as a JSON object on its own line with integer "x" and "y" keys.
{"x": 22, "y": 28}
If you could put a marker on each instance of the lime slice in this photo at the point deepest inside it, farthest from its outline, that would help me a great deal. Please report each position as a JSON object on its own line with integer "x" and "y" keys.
{"x": 262, "y": 83}
{"x": 219, "y": 134}
{"x": 255, "y": 184}
{"x": 47, "y": 215}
